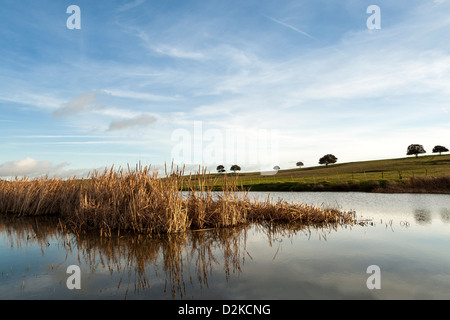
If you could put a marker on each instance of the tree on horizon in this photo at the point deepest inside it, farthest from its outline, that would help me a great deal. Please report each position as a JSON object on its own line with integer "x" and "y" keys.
{"x": 220, "y": 169}
{"x": 439, "y": 149}
{"x": 299, "y": 164}
{"x": 235, "y": 168}
{"x": 327, "y": 159}
{"x": 415, "y": 149}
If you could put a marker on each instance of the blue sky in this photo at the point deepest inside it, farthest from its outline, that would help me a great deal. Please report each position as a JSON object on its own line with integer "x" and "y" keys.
{"x": 287, "y": 80}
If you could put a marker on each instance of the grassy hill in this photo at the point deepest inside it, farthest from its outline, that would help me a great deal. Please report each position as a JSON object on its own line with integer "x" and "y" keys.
{"x": 423, "y": 174}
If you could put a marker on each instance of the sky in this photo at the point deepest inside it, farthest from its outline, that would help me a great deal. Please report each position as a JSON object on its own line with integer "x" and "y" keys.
{"x": 256, "y": 83}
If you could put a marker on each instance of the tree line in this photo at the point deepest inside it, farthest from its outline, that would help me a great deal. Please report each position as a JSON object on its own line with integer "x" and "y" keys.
{"x": 416, "y": 149}
{"x": 413, "y": 149}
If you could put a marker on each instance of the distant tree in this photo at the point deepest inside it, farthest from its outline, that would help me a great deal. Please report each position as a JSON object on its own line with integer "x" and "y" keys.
{"x": 439, "y": 149}
{"x": 221, "y": 169}
{"x": 276, "y": 168}
{"x": 415, "y": 149}
{"x": 327, "y": 159}
{"x": 235, "y": 168}
{"x": 300, "y": 164}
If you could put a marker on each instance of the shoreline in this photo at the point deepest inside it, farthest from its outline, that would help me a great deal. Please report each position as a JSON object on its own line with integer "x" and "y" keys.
{"x": 421, "y": 185}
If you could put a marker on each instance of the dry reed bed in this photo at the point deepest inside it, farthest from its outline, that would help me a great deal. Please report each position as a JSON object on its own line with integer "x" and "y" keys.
{"x": 140, "y": 201}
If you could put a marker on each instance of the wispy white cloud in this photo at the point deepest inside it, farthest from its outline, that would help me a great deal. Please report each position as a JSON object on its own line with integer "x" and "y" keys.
{"x": 42, "y": 101}
{"x": 137, "y": 122}
{"x": 57, "y": 136}
{"x": 130, "y": 5}
{"x": 177, "y": 52}
{"x": 438, "y": 2}
{"x": 139, "y": 95}
{"x": 291, "y": 27}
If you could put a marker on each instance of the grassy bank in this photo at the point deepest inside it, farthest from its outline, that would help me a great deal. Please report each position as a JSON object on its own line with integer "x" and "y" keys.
{"x": 426, "y": 174}
{"x": 437, "y": 185}
{"x": 139, "y": 201}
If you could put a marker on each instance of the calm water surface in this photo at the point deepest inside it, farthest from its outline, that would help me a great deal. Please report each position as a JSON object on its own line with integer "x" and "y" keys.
{"x": 407, "y": 236}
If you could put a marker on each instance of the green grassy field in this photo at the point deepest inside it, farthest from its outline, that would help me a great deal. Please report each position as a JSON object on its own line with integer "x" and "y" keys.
{"x": 367, "y": 176}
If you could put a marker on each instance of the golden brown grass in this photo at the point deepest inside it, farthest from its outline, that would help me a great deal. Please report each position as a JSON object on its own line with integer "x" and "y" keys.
{"x": 140, "y": 201}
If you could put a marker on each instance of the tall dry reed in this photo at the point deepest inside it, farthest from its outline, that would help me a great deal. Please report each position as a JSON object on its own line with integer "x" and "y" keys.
{"x": 140, "y": 201}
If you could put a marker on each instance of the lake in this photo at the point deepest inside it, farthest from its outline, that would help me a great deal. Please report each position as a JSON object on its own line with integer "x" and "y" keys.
{"x": 405, "y": 236}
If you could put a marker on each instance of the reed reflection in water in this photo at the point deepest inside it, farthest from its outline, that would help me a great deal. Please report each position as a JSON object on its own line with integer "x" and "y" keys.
{"x": 159, "y": 267}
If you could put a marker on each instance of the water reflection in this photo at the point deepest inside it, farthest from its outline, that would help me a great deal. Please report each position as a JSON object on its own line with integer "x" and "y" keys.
{"x": 138, "y": 263}
{"x": 445, "y": 215}
{"x": 422, "y": 216}
{"x": 19, "y": 232}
